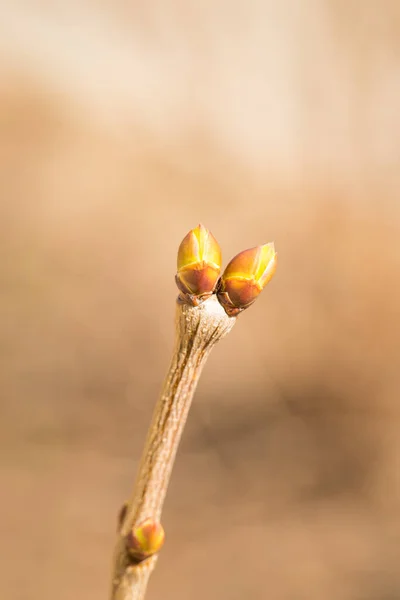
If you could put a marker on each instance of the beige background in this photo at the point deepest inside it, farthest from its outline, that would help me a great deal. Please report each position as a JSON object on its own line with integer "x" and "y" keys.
{"x": 122, "y": 126}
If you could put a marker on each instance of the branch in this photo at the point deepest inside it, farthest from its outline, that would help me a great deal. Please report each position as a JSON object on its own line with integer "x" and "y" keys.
{"x": 206, "y": 312}
{"x": 197, "y": 330}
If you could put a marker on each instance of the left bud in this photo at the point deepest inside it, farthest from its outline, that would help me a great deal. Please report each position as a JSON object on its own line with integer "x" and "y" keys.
{"x": 199, "y": 265}
{"x": 145, "y": 539}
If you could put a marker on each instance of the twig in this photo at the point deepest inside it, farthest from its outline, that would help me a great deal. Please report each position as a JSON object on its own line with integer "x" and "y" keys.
{"x": 206, "y": 312}
{"x": 197, "y": 330}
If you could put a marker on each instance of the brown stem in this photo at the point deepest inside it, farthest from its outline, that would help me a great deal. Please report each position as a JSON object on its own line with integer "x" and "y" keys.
{"x": 198, "y": 328}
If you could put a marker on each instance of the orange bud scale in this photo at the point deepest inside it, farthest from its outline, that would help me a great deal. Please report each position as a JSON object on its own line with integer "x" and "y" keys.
{"x": 199, "y": 264}
{"x": 245, "y": 277}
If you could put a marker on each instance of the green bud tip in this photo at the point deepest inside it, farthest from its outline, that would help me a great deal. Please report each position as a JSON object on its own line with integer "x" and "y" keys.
{"x": 199, "y": 265}
{"x": 245, "y": 277}
{"x": 145, "y": 539}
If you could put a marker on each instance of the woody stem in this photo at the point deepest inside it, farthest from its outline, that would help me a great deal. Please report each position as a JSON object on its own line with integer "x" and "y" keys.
{"x": 198, "y": 329}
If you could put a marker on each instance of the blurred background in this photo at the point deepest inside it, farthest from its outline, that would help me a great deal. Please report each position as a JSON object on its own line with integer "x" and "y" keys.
{"x": 122, "y": 126}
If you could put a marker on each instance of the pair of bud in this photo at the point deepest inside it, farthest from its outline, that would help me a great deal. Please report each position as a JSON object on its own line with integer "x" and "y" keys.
{"x": 199, "y": 267}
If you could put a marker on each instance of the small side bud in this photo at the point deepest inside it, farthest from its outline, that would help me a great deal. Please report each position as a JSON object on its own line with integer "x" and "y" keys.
{"x": 199, "y": 265}
{"x": 121, "y": 516}
{"x": 145, "y": 539}
{"x": 245, "y": 277}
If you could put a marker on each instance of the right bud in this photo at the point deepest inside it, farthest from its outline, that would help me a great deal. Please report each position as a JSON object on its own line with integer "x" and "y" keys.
{"x": 245, "y": 277}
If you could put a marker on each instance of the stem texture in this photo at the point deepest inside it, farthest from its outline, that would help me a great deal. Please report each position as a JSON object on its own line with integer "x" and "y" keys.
{"x": 198, "y": 328}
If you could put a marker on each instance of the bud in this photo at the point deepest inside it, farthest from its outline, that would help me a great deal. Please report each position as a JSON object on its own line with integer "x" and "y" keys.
{"x": 199, "y": 265}
{"x": 121, "y": 516}
{"x": 245, "y": 277}
{"x": 145, "y": 539}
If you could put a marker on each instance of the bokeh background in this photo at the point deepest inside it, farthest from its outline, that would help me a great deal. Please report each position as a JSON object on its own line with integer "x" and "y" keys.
{"x": 122, "y": 125}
